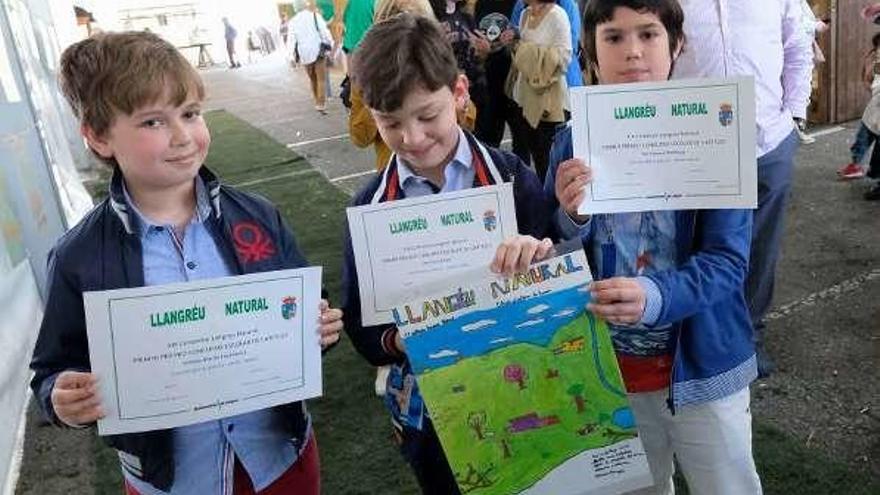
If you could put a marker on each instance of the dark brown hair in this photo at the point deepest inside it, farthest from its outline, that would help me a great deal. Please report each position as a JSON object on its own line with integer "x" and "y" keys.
{"x": 600, "y": 11}
{"x": 399, "y": 55}
{"x": 110, "y": 73}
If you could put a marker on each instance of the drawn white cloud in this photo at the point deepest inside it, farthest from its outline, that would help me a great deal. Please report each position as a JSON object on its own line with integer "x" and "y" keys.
{"x": 500, "y": 340}
{"x": 538, "y": 309}
{"x": 478, "y": 325}
{"x": 584, "y": 288}
{"x": 530, "y": 323}
{"x": 565, "y": 312}
{"x": 445, "y": 353}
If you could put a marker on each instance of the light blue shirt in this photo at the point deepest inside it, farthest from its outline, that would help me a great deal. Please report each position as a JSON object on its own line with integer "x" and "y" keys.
{"x": 458, "y": 174}
{"x": 204, "y": 453}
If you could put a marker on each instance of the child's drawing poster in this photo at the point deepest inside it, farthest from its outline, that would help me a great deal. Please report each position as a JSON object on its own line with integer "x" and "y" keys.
{"x": 522, "y": 384}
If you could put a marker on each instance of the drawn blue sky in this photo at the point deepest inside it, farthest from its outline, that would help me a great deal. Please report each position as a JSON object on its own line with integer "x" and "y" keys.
{"x": 488, "y": 330}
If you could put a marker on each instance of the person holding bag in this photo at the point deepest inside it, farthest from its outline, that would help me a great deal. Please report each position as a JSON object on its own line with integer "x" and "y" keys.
{"x": 312, "y": 44}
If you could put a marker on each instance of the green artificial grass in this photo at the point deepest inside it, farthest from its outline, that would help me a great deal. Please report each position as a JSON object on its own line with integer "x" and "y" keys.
{"x": 353, "y": 428}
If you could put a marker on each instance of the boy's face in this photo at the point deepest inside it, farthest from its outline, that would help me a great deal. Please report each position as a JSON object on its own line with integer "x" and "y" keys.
{"x": 424, "y": 131}
{"x": 632, "y": 47}
{"x": 159, "y": 146}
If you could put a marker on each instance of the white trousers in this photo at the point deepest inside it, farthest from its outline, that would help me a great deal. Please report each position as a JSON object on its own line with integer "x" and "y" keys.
{"x": 712, "y": 443}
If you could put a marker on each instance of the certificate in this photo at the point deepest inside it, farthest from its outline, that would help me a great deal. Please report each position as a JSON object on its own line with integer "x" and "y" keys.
{"x": 178, "y": 354}
{"x": 683, "y": 144}
{"x": 404, "y": 246}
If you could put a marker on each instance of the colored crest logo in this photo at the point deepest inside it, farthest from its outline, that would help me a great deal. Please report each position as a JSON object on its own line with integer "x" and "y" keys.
{"x": 725, "y": 114}
{"x": 288, "y": 307}
{"x": 490, "y": 222}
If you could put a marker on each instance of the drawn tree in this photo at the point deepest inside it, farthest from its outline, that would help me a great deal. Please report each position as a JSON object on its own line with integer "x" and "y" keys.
{"x": 477, "y": 422}
{"x": 576, "y": 391}
{"x": 515, "y": 373}
{"x": 475, "y": 479}
{"x": 505, "y": 448}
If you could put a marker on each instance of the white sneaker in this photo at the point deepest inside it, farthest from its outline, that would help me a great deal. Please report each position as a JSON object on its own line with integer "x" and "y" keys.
{"x": 804, "y": 137}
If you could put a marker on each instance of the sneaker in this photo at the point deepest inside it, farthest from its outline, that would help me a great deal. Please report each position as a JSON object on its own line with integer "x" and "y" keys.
{"x": 804, "y": 137}
{"x": 873, "y": 194}
{"x": 850, "y": 171}
{"x": 321, "y": 109}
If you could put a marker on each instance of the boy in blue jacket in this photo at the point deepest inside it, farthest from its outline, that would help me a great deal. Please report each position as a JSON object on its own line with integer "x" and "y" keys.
{"x": 413, "y": 96}
{"x": 669, "y": 283}
{"x": 167, "y": 219}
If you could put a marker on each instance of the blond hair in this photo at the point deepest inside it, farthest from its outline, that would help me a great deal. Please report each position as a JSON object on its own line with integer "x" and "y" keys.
{"x": 110, "y": 73}
{"x": 385, "y": 9}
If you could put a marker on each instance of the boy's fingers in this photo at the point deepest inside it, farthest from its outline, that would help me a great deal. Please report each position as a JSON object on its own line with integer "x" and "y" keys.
{"x": 74, "y": 379}
{"x": 323, "y": 305}
{"x": 526, "y": 256}
{"x": 617, "y": 313}
{"x": 498, "y": 260}
{"x": 330, "y": 328}
{"x": 545, "y": 247}
{"x": 511, "y": 258}
{"x": 70, "y": 396}
{"x": 330, "y": 315}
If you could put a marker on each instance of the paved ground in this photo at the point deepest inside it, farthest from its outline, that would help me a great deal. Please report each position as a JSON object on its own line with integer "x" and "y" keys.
{"x": 824, "y": 329}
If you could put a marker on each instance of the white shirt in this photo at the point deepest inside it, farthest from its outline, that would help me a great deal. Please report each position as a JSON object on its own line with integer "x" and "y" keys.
{"x": 760, "y": 38}
{"x": 553, "y": 30}
{"x": 305, "y": 37}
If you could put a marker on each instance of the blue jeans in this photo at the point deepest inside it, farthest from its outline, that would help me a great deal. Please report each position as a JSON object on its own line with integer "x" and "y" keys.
{"x": 774, "y": 186}
{"x": 864, "y": 140}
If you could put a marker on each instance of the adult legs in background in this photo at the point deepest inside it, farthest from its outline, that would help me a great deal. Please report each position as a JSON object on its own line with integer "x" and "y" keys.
{"x": 230, "y": 52}
{"x": 862, "y": 142}
{"x": 316, "y": 71}
{"x": 774, "y": 185}
{"x": 539, "y": 141}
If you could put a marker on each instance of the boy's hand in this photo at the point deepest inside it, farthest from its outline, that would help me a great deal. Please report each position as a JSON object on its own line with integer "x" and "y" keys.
{"x": 618, "y": 300}
{"x": 572, "y": 176}
{"x": 75, "y": 398}
{"x": 330, "y": 321}
{"x": 516, "y": 253}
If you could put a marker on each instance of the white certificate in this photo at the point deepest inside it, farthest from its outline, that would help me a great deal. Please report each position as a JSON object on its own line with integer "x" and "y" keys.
{"x": 682, "y": 144}
{"x": 178, "y": 354}
{"x": 401, "y": 247}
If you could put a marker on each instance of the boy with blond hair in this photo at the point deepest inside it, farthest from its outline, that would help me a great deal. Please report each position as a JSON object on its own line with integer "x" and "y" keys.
{"x": 167, "y": 219}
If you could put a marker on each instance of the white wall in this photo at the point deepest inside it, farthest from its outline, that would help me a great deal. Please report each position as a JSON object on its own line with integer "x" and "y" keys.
{"x": 21, "y": 306}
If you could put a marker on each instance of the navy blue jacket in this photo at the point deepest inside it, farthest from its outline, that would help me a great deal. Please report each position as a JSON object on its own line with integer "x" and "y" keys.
{"x": 103, "y": 252}
{"x": 703, "y": 297}
{"x": 533, "y": 215}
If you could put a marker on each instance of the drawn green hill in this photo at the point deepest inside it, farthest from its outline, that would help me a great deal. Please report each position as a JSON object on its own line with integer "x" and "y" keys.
{"x": 509, "y": 417}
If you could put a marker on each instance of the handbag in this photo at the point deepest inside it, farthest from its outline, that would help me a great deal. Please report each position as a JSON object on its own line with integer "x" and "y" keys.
{"x": 325, "y": 48}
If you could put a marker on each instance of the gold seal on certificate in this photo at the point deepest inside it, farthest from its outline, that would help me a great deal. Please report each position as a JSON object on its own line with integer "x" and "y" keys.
{"x": 405, "y": 246}
{"x": 178, "y": 354}
{"x": 672, "y": 145}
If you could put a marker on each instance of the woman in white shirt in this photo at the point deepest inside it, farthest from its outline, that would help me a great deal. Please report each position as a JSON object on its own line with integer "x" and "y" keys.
{"x": 311, "y": 44}
{"x": 537, "y": 76}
